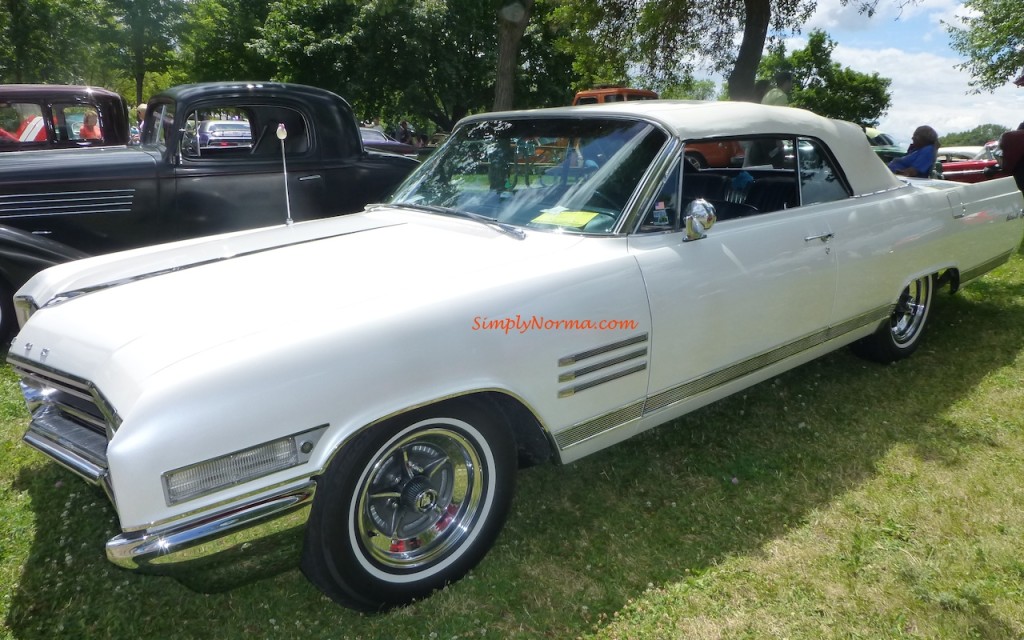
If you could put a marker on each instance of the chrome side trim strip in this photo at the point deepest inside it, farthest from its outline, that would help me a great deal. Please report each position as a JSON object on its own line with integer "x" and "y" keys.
{"x": 596, "y": 351}
{"x": 728, "y": 374}
{"x": 582, "y": 372}
{"x": 27, "y": 205}
{"x": 576, "y": 373}
{"x": 64, "y": 296}
{"x": 620, "y": 417}
{"x": 586, "y": 430}
{"x": 976, "y": 272}
{"x": 570, "y": 391}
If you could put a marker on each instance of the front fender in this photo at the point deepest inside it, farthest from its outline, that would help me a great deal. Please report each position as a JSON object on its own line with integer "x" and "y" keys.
{"x": 23, "y": 254}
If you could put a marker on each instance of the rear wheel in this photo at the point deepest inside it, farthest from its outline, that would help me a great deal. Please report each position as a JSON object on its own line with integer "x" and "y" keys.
{"x": 900, "y": 336}
{"x": 410, "y": 506}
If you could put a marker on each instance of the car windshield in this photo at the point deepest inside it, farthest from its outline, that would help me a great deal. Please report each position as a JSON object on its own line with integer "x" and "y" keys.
{"x": 558, "y": 174}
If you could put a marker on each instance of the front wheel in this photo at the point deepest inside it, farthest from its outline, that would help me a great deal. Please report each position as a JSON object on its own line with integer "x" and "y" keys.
{"x": 410, "y": 506}
{"x": 900, "y": 336}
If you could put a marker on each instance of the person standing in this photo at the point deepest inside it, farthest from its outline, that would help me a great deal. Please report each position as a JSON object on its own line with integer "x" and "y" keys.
{"x": 1011, "y": 145}
{"x": 779, "y": 94}
{"x": 404, "y": 132}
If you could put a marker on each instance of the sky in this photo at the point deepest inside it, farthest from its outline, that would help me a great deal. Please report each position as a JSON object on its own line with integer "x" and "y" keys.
{"x": 912, "y": 49}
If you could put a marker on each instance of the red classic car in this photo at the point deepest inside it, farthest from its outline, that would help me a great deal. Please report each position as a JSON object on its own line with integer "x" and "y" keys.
{"x": 969, "y": 164}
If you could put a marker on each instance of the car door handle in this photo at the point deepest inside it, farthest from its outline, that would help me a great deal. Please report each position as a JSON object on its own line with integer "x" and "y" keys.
{"x": 315, "y": 176}
{"x": 824, "y": 237}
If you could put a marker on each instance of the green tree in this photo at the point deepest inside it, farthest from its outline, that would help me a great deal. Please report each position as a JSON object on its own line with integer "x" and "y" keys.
{"x": 45, "y": 41}
{"x": 426, "y": 58}
{"x": 977, "y": 136}
{"x": 825, "y": 87}
{"x": 992, "y": 38}
{"x": 215, "y": 41}
{"x": 670, "y": 39}
{"x": 145, "y": 33}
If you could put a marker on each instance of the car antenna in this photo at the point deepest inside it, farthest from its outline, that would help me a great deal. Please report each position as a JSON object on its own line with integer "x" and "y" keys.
{"x": 282, "y": 133}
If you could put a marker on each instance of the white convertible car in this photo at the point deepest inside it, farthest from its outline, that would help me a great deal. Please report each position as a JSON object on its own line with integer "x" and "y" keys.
{"x": 547, "y": 284}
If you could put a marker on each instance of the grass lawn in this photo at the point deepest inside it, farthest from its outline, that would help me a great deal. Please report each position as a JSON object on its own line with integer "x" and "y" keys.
{"x": 841, "y": 500}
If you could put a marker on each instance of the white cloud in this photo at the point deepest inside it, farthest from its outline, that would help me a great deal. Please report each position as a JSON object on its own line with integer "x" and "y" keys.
{"x": 928, "y": 88}
{"x": 911, "y": 47}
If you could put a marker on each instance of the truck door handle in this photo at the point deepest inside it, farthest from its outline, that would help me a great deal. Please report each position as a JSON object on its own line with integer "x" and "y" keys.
{"x": 824, "y": 237}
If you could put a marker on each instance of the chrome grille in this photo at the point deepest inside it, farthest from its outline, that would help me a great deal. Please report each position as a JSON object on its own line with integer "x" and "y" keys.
{"x": 75, "y": 399}
{"x": 71, "y": 422}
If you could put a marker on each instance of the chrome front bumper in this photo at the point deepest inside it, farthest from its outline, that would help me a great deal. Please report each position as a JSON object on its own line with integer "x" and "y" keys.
{"x": 234, "y": 543}
{"x": 224, "y": 549}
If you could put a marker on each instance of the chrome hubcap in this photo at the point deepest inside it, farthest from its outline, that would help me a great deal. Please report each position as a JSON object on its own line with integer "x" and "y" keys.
{"x": 909, "y": 315}
{"x": 420, "y": 498}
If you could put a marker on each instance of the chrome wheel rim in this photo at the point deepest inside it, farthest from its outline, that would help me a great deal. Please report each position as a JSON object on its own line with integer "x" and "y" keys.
{"x": 420, "y": 499}
{"x": 911, "y": 310}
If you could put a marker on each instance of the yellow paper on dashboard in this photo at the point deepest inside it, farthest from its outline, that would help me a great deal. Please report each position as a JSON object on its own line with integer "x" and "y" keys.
{"x": 565, "y": 218}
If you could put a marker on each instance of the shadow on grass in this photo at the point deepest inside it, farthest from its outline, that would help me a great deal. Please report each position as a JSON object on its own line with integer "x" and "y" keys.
{"x": 582, "y": 539}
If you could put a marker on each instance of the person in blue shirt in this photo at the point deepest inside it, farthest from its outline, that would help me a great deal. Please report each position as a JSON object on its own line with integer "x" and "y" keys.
{"x": 920, "y": 158}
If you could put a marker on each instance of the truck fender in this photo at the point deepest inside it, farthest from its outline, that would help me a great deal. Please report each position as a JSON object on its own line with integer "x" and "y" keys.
{"x": 23, "y": 254}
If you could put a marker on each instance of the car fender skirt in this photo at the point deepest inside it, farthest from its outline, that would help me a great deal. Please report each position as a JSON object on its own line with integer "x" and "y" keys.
{"x": 223, "y": 550}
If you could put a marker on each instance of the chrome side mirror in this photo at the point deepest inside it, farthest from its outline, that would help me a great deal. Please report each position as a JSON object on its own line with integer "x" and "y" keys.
{"x": 699, "y": 216}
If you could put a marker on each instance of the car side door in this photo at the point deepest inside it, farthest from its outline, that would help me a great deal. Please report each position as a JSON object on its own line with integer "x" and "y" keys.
{"x": 757, "y": 289}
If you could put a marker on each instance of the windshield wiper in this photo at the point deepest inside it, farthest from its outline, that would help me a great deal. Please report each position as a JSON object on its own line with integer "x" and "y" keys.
{"x": 505, "y": 228}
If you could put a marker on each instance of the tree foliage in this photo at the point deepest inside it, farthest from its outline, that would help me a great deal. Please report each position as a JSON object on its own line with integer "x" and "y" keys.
{"x": 977, "y": 136}
{"x": 992, "y": 38}
{"x": 215, "y": 41}
{"x": 145, "y": 32}
{"x": 825, "y": 87}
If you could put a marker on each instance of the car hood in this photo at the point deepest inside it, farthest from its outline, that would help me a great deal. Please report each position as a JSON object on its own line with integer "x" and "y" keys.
{"x": 125, "y": 316}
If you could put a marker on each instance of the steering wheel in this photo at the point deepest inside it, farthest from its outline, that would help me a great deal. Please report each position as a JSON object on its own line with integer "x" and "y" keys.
{"x": 604, "y": 200}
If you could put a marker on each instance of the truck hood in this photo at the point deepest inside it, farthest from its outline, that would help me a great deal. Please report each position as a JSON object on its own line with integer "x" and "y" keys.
{"x": 118, "y": 319}
{"x": 64, "y": 165}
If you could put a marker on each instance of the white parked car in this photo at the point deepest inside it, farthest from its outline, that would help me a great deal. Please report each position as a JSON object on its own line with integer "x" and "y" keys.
{"x": 546, "y": 284}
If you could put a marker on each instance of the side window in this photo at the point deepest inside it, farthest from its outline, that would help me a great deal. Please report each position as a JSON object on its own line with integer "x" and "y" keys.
{"x": 217, "y": 131}
{"x": 21, "y": 124}
{"x": 265, "y": 123}
{"x": 819, "y": 181}
{"x": 740, "y": 177}
{"x": 159, "y": 121}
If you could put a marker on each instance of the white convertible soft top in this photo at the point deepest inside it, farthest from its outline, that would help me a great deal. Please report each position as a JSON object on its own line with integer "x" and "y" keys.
{"x": 692, "y": 120}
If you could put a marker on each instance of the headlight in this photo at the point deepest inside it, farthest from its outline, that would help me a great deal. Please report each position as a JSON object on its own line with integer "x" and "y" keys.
{"x": 192, "y": 481}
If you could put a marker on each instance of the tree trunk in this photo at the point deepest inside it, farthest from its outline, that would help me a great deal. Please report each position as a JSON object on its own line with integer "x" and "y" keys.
{"x": 755, "y": 32}
{"x": 512, "y": 20}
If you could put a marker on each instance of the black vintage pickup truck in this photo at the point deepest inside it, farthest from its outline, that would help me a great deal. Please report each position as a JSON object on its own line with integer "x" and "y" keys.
{"x": 210, "y": 161}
